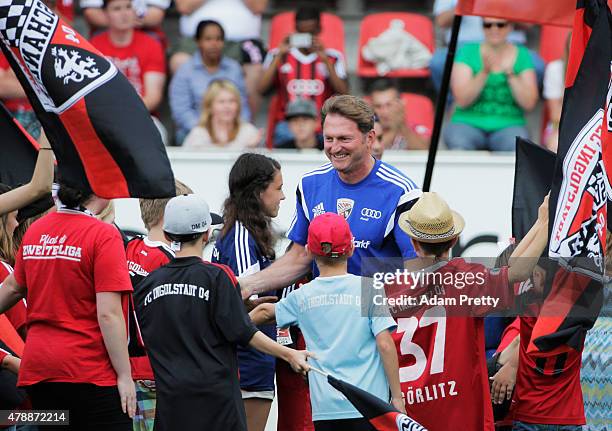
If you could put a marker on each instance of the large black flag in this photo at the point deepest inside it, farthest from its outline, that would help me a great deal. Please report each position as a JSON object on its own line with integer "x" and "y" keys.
{"x": 102, "y": 134}
{"x": 580, "y": 191}
{"x": 533, "y": 172}
{"x": 19, "y": 151}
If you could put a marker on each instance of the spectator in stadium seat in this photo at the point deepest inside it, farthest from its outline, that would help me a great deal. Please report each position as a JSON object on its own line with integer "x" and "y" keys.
{"x": 149, "y": 16}
{"x": 14, "y": 98}
{"x": 137, "y": 55}
{"x": 493, "y": 84}
{"x": 241, "y": 21}
{"x": 378, "y": 147}
{"x": 301, "y": 117}
{"x": 313, "y": 72}
{"x": 75, "y": 356}
{"x": 554, "y": 87}
{"x": 193, "y": 78}
{"x": 470, "y": 32}
{"x": 220, "y": 123}
{"x": 391, "y": 112}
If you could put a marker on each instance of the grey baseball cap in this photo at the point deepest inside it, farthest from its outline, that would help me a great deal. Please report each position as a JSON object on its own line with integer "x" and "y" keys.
{"x": 301, "y": 107}
{"x": 187, "y": 215}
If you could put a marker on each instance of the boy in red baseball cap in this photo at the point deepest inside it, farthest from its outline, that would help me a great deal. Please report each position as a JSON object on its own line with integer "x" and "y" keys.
{"x": 349, "y": 342}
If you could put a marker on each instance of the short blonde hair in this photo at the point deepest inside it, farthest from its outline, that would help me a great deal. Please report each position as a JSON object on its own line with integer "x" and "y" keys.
{"x": 152, "y": 210}
{"x": 212, "y": 92}
{"x": 352, "y": 108}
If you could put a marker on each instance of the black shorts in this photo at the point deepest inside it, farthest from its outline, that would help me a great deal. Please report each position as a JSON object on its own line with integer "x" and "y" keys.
{"x": 359, "y": 424}
{"x": 91, "y": 407}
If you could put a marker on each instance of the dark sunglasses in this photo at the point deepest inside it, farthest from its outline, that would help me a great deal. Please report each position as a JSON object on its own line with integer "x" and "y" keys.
{"x": 488, "y": 25}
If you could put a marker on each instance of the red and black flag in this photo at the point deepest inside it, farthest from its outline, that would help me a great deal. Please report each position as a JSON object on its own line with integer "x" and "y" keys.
{"x": 381, "y": 415}
{"x": 581, "y": 189}
{"x": 19, "y": 148}
{"x": 101, "y": 132}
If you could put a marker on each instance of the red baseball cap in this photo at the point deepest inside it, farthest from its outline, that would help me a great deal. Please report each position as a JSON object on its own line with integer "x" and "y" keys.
{"x": 329, "y": 235}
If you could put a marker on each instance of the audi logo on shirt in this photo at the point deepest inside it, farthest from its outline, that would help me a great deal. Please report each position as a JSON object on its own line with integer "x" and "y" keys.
{"x": 369, "y": 213}
{"x": 305, "y": 87}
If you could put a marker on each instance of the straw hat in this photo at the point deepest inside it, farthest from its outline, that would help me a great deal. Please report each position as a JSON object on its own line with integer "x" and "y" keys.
{"x": 431, "y": 220}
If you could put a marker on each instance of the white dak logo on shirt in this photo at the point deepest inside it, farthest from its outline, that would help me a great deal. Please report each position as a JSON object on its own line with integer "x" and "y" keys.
{"x": 344, "y": 207}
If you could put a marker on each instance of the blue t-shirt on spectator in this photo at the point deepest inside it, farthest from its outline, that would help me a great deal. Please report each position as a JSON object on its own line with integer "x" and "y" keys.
{"x": 189, "y": 85}
{"x": 329, "y": 312}
{"x": 371, "y": 207}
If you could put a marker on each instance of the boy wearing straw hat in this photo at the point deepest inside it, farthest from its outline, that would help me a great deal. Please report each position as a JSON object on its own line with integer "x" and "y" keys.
{"x": 440, "y": 341}
{"x": 352, "y": 346}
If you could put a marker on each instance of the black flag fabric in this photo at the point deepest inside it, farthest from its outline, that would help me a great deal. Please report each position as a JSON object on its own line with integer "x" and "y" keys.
{"x": 580, "y": 190}
{"x": 533, "y": 172}
{"x": 19, "y": 149}
{"x": 101, "y": 132}
{"x": 381, "y": 415}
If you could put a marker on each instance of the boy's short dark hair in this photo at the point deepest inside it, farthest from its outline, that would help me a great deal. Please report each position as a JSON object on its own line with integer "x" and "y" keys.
{"x": 330, "y": 261}
{"x": 308, "y": 13}
{"x": 383, "y": 84}
{"x": 105, "y": 3}
{"x": 437, "y": 249}
{"x": 205, "y": 23}
{"x": 183, "y": 239}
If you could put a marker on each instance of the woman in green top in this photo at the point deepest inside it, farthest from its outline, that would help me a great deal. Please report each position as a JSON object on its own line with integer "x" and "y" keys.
{"x": 493, "y": 83}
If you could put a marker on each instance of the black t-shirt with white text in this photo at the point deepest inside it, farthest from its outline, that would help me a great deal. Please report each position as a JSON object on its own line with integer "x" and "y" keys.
{"x": 192, "y": 317}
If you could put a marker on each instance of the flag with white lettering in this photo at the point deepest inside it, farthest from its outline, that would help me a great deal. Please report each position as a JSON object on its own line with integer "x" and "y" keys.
{"x": 102, "y": 134}
{"x": 581, "y": 189}
{"x": 381, "y": 415}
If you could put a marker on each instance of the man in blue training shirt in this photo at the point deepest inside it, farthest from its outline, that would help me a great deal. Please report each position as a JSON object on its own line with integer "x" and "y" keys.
{"x": 349, "y": 341}
{"x": 370, "y": 194}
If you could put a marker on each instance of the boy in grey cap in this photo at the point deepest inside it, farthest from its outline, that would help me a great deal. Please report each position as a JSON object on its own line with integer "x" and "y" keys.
{"x": 301, "y": 116}
{"x": 192, "y": 317}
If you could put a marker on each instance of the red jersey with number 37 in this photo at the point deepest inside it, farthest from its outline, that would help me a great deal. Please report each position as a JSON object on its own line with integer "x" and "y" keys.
{"x": 441, "y": 351}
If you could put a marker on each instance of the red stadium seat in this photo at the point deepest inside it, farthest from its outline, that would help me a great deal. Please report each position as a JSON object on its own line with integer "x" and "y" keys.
{"x": 419, "y": 110}
{"x": 332, "y": 30}
{"x": 372, "y": 25}
{"x": 552, "y": 42}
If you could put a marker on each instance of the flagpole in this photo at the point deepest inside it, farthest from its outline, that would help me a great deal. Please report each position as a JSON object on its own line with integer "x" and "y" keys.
{"x": 441, "y": 103}
{"x": 318, "y": 371}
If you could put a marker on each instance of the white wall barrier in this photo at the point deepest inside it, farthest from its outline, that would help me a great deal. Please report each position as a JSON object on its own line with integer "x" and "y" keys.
{"x": 477, "y": 185}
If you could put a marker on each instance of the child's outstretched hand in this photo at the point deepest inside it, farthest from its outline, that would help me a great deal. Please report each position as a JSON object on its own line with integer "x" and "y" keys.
{"x": 298, "y": 360}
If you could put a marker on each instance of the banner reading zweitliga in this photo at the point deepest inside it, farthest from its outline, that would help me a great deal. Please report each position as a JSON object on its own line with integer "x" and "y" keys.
{"x": 101, "y": 132}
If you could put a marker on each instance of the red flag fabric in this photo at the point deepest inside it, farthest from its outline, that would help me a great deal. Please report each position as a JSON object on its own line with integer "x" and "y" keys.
{"x": 580, "y": 190}
{"x": 381, "y": 415}
{"x": 556, "y": 12}
{"x": 102, "y": 134}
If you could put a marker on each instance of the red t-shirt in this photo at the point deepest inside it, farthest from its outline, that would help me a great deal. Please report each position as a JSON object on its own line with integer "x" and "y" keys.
{"x": 443, "y": 372}
{"x": 143, "y": 256}
{"x": 547, "y": 389}
{"x": 17, "y": 313}
{"x": 66, "y": 258}
{"x": 144, "y": 54}
{"x": 13, "y": 105}
{"x": 304, "y": 76}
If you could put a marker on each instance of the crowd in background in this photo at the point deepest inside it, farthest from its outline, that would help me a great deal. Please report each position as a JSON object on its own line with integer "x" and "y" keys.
{"x": 218, "y": 72}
